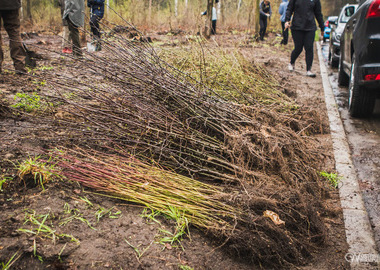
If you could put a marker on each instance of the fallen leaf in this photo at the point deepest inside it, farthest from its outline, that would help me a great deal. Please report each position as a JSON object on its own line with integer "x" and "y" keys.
{"x": 274, "y": 217}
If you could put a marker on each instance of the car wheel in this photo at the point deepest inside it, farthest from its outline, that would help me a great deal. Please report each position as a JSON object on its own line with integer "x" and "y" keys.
{"x": 329, "y": 56}
{"x": 361, "y": 101}
{"x": 334, "y": 62}
{"x": 343, "y": 78}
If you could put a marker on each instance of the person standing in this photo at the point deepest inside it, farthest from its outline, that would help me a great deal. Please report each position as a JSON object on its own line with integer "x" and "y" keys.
{"x": 285, "y": 31}
{"x": 97, "y": 13}
{"x": 74, "y": 14}
{"x": 66, "y": 34}
{"x": 9, "y": 13}
{"x": 303, "y": 29}
{"x": 265, "y": 13}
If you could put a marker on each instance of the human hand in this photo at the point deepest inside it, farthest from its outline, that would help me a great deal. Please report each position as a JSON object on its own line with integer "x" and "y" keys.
{"x": 287, "y": 25}
{"x": 267, "y": 14}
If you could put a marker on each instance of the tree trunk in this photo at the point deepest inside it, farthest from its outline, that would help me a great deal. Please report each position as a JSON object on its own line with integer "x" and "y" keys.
{"x": 176, "y": 8}
{"x": 170, "y": 16}
{"x": 250, "y": 11}
{"x": 150, "y": 12}
{"x": 107, "y": 7}
{"x": 29, "y": 11}
{"x": 21, "y": 13}
{"x": 238, "y": 10}
{"x": 257, "y": 18}
{"x": 221, "y": 12}
{"x": 207, "y": 32}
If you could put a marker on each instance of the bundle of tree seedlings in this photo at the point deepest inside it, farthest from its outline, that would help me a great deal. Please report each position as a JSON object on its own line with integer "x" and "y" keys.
{"x": 128, "y": 98}
{"x": 268, "y": 231}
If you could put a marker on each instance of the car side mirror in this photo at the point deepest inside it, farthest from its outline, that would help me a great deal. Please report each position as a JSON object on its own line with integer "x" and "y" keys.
{"x": 349, "y": 11}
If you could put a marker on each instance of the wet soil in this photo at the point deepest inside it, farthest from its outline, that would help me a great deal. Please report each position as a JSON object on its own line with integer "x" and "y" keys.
{"x": 92, "y": 231}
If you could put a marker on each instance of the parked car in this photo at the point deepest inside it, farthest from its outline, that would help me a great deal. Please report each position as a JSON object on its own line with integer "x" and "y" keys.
{"x": 359, "y": 64}
{"x": 330, "y": 20}
{"x": 336, "y": 32}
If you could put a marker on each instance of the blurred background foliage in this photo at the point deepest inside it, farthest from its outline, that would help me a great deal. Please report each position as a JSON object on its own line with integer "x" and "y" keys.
{"x": 233, "y": 15}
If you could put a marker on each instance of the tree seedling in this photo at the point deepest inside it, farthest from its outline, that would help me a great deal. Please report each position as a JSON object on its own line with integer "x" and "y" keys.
{"x": 138, "y": 253}
{"x": 38, "y": 170}
{"x": 75, "y": 215}
{"x": 332, "y": 178}
{"x": 11, "y": 261}
{"x": 39, "y": 228}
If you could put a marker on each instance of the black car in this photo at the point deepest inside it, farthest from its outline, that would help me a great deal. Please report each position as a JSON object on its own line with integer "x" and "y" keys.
{"x": 336, "y": 32}
{"x": 359, "y": 65}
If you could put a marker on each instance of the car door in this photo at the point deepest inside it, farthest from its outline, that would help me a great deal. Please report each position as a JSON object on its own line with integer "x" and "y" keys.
{"x": 347, "y": 39}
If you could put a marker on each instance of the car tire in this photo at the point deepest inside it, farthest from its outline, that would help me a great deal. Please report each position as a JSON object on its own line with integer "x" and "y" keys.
{"x": 329, "y": 58}
{"x": 343, "y": 78}
{"x": 361, "y": 101}
{"x": 334, "y": 62}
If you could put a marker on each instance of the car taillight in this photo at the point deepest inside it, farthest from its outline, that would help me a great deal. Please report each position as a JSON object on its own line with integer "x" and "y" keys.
{"x": 374, "y": 9}
{"x": 372, "y": 77}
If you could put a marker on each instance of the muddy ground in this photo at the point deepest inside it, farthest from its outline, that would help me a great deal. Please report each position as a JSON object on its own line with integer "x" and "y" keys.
{"x": 104, "y": 233}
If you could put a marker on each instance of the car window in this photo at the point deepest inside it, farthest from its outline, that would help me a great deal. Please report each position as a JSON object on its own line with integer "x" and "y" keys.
{"x": 346, "y": 14}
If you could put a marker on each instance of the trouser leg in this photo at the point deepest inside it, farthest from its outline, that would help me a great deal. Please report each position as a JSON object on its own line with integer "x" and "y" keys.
{"x": 298, "y": 38}
{"x": 66, "y": 37}
{"x": 285, "y": 34}
{"x": 94, "y": 24}
{"x": 309, "y": 48}
{"x": 261, "y": 32}
{"x": 283, "y": 31}
{"x": 263, "y": 26}
{"x": 213, "y": 27}
{"x": 74, "y": 35}
{"x": 11, "y": 21}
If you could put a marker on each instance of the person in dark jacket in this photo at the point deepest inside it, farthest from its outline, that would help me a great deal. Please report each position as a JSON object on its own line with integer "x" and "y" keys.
{"x": 74, "y": 14}
{"x": 265, "y": 13}
{"x": 303, "y": 29}
{"x": 285, "y": 31}
{"x": 97, "y": 13}
{"x": 9, "y": 13}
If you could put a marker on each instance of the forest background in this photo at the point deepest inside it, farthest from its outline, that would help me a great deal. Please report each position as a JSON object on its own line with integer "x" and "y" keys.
{"x": 233, "y": 15}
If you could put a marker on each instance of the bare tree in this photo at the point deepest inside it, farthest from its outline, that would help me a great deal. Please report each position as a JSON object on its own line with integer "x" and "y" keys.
{"x": 107, "y": 7}
{"x": 150, "y": 12}
{"x": 221, "y": 11}
{"x": 21, "y": 12}
{"x": 238, "y": 10}
{"x": 250, "y": 10}
{"x": 257, "y": 17}
{"x": 29, "y": 11}
{"x": 207, "y": 32}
